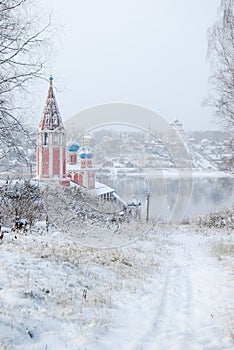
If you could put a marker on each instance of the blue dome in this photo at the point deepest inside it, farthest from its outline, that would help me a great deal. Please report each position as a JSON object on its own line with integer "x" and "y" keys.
{"x": 73, "y": 147}
{"x": 89, "y": 154}
{"x": 83, "y": 154}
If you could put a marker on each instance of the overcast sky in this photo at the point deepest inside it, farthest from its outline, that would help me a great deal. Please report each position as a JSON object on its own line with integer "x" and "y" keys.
{"x": 146, "y": 52}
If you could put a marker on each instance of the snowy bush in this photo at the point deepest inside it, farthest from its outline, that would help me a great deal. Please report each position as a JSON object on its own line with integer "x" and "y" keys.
{"x": 218, "y": 219}
{"x": 223, "y": 249}
{"x": 61, "y": 207}
{"x": 20, "y": 198}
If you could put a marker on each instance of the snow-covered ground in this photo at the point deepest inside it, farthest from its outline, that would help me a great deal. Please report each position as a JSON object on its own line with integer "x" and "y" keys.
{"x": 172, "y": 288}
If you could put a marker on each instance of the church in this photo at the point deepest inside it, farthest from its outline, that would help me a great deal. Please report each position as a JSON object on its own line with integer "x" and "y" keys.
{"x": 57, "y": 162}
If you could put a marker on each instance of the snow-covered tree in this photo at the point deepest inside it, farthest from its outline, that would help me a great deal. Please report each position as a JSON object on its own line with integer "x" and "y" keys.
{"x": 22, "y": 39}
{"x": 221, "y": 55}
{"x": 22, "y": 199}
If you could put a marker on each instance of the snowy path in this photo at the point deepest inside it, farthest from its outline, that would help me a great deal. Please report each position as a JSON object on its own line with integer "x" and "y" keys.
{"x": 188, "y": 307}
{"x": 164, "y": 292}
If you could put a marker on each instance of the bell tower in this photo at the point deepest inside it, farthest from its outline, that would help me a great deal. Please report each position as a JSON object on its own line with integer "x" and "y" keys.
{"x": 51, "y": 142}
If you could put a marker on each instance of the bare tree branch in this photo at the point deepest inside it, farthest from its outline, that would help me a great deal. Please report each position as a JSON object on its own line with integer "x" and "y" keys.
{"x": 221, "y": 55}
{"x": 23, "y": 39}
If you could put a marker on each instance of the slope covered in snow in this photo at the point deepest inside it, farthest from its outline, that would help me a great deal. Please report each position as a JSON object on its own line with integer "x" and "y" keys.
{"x": 172, "y": 288}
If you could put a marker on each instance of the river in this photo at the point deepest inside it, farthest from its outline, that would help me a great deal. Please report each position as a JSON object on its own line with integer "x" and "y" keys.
{"x": 174, "y": 195}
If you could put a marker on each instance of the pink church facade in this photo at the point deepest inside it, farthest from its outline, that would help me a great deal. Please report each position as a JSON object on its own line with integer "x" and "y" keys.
{"x": 81, "y": 170}
{"x": 51, "y": 142}
{"x": 54, "y": 163}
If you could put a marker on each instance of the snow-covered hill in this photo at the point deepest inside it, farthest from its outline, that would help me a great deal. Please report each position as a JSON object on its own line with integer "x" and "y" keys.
{"x": 171, "y": 288}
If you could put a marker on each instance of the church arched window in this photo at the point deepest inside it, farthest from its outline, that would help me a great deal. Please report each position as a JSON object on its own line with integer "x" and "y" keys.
{"x": 45, "y": 141}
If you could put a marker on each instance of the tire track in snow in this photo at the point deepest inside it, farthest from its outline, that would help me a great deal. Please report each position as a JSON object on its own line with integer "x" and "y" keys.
{"x": 170, "y": 305}
{"x": 191, "y": 311}
{"x": 173, "y": 327}
{"x": 182, "y": 309}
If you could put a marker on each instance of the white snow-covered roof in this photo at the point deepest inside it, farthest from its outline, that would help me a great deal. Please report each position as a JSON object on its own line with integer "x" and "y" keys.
{"x": 101, "y": 189}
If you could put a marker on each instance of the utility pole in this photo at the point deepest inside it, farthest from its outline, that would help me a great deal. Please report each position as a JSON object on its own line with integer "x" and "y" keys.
{"x": 147, "y": 205}
{"x": 30, "y": 170}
